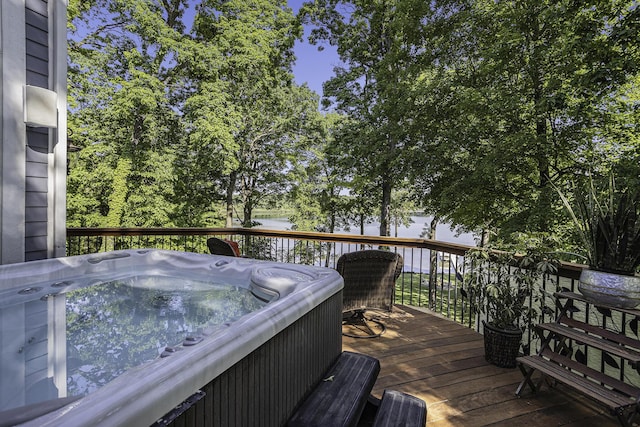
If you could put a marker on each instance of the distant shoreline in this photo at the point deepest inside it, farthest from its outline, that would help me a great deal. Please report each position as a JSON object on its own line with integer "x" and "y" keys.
{"x": 443, "y": 231}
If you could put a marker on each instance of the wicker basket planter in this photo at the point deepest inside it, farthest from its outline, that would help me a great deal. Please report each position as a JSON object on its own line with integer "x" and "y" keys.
{"x": 501, "y": 346}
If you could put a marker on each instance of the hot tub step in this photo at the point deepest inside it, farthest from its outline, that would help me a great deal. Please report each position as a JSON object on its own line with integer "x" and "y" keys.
{"x": 400, "y": 409}
{"x": 340, "y": 398}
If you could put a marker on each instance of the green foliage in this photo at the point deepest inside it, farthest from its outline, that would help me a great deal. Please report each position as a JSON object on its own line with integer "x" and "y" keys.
{"x": 249, "y": 112}
{"x": 602, "y": 197}
{"x": 119, "y": 193}
{"x": 505, "y": 287}
{"x": 608, "y": 222}
{"x": 479, "y": 108}
{"x": 319, "y": 181}
{"x": 121, "y": 110}
{"x": 202, "y": 118}
{"x": 514, "y": 98}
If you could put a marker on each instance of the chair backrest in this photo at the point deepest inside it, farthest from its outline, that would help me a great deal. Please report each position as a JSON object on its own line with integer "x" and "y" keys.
{"x": 220, "y": 247}
{"x": 369, "y": 278}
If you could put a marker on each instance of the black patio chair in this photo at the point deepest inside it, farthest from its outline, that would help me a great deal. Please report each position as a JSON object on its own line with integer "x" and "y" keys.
{"x": 221, "y": 247}
{"x": 369, "y": 281}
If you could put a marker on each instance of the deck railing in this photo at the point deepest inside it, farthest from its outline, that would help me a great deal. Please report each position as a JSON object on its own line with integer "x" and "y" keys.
{"x": 417, "y": 286}
{"x": 432, "y": 277}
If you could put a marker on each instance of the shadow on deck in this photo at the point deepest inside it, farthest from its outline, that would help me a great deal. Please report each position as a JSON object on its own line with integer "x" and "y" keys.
{"x": 443, "y": 363}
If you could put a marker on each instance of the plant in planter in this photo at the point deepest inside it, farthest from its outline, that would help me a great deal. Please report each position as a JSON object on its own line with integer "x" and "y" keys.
{"x": 505, "y": 289}
{"x": 608, "y": 224}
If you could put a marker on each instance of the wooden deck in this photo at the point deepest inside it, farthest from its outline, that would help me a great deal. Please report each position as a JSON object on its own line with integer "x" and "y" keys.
{"x": 443, "y": 363}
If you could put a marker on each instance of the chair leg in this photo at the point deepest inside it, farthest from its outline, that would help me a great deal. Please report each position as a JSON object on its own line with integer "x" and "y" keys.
{"x": 368, "y": 328}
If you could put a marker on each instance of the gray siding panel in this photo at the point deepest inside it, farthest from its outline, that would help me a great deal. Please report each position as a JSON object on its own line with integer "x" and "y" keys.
{"x": 36, "y": 200}
{"x": 37, "y": 20}
{"x": 36, "y": 157}
{"x": 37, "y": 35}
{"x": 37, "y": 50}
{"x": 33, "y": 244}
{"x": 35, "y": 229}
{"x": 38, "y": 170}
{"x": 35, "y": 255}
{"x": 37, "y": 184}
{"x": 38, "y": 6}
{"x": 36, "y": 215}
{"x": 38, "y": 139}
{"x": 37, "y": 65}
{"x": 39, "y": 80}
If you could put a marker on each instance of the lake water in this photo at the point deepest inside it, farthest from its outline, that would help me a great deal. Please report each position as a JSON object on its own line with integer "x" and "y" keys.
{"x": 444, "y": 232}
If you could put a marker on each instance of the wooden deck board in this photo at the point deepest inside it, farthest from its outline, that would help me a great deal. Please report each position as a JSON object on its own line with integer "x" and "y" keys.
{"x": 443, "y": 363}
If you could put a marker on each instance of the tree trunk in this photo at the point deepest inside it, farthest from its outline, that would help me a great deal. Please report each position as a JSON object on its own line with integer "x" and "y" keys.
{"x": 385, "y": 207}
{"x": 229, "y": 200}
{"x": 247, "y": 211}
{"x": 332, "y": 227}
{"x": 484, "y": 237}
{"x": 544, "y": 201}
{"x": 543, "y": 211}
{"x": 119, "y": 195}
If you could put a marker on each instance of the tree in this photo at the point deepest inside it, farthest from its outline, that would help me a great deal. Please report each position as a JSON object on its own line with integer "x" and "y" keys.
{"x": 319, "y": 181}
{"x": 258, "y": 115}
{"x": 172, "y": 123}
{"x": 375, "y": 42}
{"x": 517, "y": 94}
{"x": 121, "y": 66}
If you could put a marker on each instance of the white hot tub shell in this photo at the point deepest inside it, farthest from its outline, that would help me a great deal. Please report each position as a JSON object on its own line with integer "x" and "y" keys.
{"x": 257, "y": 367}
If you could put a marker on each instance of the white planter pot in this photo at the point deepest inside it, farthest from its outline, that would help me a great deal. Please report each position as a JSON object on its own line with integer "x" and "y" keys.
{"x": 610, "y": 289}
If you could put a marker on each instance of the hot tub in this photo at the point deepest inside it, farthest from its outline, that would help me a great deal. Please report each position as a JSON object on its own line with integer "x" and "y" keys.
{"x": 125, "y": 337}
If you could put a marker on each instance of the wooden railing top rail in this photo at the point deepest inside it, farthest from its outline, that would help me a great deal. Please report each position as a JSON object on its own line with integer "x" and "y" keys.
{"x": 566, "y": 269}
{"x": 453, "y": 248}
{"x": 148, "y": 231}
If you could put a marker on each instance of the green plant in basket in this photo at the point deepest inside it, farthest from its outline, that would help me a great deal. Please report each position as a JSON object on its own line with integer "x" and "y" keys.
{"x": 506, "y": 289}
{"x": 505, "y": 286}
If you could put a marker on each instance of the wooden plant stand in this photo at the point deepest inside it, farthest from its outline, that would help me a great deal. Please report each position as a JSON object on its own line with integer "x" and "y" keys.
{"x": 555, "y": 364}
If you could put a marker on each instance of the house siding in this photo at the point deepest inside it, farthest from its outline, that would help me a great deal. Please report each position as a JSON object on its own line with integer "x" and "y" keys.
{"x": 32, "y": 177}
{"x": 37, "y": 155}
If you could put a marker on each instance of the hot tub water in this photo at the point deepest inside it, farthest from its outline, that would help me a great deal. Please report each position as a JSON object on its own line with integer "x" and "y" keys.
{"x": 117, "y": 325}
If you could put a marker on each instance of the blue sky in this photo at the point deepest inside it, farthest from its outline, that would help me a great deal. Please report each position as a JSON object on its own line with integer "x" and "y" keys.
{"x": 312, "y": 67}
